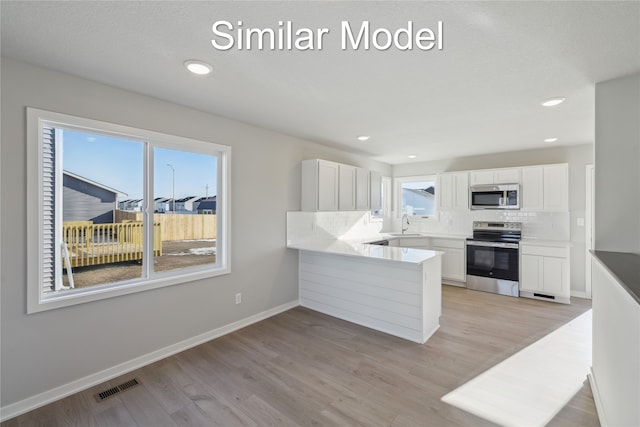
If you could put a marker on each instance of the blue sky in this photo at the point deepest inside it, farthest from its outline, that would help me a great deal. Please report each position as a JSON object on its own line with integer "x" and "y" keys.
{"x": 117, "y": 163}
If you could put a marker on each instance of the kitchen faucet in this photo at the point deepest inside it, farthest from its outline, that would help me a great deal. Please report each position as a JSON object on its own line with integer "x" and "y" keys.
{"x": 405, "y": 217}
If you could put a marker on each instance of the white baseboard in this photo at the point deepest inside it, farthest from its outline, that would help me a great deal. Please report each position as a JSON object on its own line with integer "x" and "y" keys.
{"x": 579, "y": 294}
{"x": 49, "y": 396}
{"x": 597, "y": 399}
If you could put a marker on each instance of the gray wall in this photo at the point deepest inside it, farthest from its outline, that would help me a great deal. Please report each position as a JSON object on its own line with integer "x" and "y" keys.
{"x": 85, "y": 202}
{"x": 577, "y": 157}
{"x": 49, "y": 349}
{"x": 617, "y": 165}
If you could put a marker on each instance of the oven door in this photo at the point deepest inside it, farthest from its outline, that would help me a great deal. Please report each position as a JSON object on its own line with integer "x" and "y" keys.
{"x": 495, "y": 260}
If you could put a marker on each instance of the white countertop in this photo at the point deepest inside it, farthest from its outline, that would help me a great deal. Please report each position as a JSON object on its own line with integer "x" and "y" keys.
{"x": 410, "y": 235}
{"x": 361, "y": 249}
{"x": 548, "y": 243}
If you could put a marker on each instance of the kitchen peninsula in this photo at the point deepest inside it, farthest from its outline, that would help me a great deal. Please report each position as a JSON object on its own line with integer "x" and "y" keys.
{"x": 391, "y": 289}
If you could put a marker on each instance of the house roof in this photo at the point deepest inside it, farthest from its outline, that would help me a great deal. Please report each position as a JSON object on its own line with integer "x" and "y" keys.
{"x": 186, "y": 199}
{"x": 424, "y": 192}
{"x": 94, "y": 183}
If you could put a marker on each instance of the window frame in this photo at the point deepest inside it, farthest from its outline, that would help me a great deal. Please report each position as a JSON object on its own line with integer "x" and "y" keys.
{"x": 398, "y": 197}
{"x": 37, "y": 301}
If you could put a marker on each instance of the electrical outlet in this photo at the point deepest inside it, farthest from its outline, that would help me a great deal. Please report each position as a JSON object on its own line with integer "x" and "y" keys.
{"x": 238, "y": 298}
{"x": 580, "y": 222}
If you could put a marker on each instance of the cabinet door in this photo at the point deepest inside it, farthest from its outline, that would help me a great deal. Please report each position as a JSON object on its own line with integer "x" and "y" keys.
{"x": 532, "y": 189}
{"x": 456, "y": 265}
{"x": 507, "y": 176}
{"x": 346, "y": 188}
{"x": 362, "y": 189}
{"x": 446, "y": 191}
{"x": 327, "y": 186}
{"x": 445, "y": 261}
{"x": 375, "y": 184}
{"x": 556, "y": 188}
{"x": 481, "y": 177}
{"x": 461, "y": 191}
{"x": 554, "y": 272}
{"x": 531, "y": 273}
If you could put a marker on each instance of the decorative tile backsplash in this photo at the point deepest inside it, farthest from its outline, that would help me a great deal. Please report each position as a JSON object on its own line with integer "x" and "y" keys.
{"x": 303, "y": 226}
{"x": 539, "y": 225}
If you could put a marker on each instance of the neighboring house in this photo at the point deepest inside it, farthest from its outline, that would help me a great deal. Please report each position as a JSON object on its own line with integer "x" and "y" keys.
{"x": 207, "y": 205}
{"x": 418, "y": 201}
{"x": 131, "y": 205}
{"x": 87, "y": 200}
{"x": 186, "y": 204}
{"x": 161, "y": 204}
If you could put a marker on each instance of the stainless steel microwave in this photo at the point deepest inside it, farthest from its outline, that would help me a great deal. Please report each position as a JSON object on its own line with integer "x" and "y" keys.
{"x": 499, "y": 196}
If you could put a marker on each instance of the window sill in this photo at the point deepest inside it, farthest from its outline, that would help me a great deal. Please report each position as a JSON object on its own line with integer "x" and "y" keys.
{"x": 70, "y": 297}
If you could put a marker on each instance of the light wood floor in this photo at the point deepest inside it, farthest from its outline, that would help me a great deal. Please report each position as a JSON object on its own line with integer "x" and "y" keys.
{"x": 303, "y": 368}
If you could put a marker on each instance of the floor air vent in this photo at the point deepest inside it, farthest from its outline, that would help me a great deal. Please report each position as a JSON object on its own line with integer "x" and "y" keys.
{"x": 117, "y": 389}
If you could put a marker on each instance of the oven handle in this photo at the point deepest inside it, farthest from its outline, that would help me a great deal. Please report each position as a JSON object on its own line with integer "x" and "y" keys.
{"x": 494, "y": 244}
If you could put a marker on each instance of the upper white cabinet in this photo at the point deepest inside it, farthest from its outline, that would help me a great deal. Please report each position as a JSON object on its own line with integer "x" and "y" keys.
{"x": 362, "y": 189}
{"x": 495, "y": 176}
{"x": 545, "y": 188}
{"x": 346, "y": 188}
{"x": 331, "y": 186}
{"x": 375, "y": 184}
{"x": 454, "y": 191}
{"x": 319, "y": 185}
{"x": 556, "y": 187}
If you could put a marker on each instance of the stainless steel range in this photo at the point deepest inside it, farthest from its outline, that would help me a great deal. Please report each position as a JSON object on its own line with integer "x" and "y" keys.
{"x": 493, "y": 257}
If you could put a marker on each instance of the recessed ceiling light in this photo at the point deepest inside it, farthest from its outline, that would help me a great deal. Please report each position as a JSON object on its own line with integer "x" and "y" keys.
{"x": 552, "y": 102}
{"x": 363, "y": 138}
{"x": 413, "y": 156}
{"x": 198, "y": 67}
{"x": 551, "y": 140}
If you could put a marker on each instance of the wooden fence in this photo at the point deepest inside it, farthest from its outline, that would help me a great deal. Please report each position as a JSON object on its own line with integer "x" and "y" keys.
{"x": 177, "y": 226}
{"x": 93, "y": 244}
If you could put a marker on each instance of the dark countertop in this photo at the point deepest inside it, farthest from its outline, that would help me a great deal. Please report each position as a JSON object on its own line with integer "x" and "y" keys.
{"x": 625, "y": 267}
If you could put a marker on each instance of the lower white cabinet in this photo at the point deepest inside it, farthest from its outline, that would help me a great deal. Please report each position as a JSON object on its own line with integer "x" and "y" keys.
{"x": 544, "y": 272}
{"x": 453, "y": 258}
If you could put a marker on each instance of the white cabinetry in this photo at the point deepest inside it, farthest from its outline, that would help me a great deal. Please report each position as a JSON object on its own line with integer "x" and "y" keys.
{"x": 319, "y": 185}
{"x": 454, "y": 191}
{"x": 331, "y": 186}
{"x": 346, "y": 188}
{"x": 556, "y": 187}
{"x": 375, "y": 184}
{"x": 544, "y": 272}
{"x": 495, "y": 176}
{"x": 453, "y": 260}
{"x": 545, "y": 188}
{"x": 362, "y": 189}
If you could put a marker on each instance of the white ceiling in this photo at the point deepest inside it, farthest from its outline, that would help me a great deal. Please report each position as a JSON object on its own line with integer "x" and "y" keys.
{"x": 480, "y": 94}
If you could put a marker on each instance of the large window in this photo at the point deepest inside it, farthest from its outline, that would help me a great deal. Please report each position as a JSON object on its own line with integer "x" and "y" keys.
{"x": 114, "y": 210}
{"x": 416, "y": 196}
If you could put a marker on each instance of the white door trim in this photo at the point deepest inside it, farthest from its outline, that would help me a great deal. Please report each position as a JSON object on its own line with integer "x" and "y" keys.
{"x": 588, "y": 229}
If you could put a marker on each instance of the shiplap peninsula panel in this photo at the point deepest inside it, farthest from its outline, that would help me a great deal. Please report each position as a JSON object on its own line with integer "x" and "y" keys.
{"x": 398, "y": 298}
